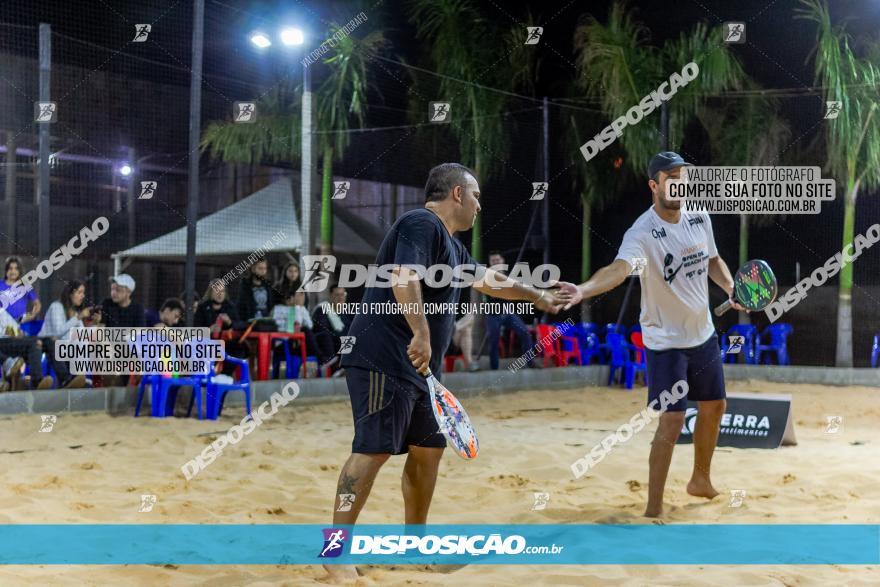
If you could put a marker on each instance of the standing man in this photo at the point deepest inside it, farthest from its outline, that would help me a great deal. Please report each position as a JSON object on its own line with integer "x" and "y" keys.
{"x": 679, "y": 337}
{"x": 389, "y": 395}
{"x": 512, "y": 322}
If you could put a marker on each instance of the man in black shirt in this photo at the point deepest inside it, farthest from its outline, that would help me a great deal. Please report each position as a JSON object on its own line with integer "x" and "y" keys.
{"x": 119, "y": 310}
{"x": 384, "y": 370}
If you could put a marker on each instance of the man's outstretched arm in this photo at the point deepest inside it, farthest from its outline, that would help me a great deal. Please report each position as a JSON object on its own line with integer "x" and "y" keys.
{"x": 498, "y": 285}
{"x": 605, "y": 279}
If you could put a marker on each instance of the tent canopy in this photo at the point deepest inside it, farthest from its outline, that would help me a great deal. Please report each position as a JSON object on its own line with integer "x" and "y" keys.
{"x": 261, "y": 219}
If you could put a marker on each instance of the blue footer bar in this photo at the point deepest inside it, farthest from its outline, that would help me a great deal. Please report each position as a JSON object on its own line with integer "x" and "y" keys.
{"x": 227, "y": 544}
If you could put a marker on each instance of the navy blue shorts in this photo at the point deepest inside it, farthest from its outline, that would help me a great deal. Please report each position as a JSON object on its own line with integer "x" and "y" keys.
{"x": 700, "y": 366}
{"x": 390, "y": 414}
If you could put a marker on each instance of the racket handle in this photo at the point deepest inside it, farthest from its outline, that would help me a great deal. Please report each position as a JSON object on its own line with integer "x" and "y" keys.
{"x": 723, "y": 308}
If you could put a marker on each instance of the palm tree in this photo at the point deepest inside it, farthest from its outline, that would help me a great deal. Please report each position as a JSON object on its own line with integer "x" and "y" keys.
{"x": 341, "y": 103}
{"x": 852, "y": 140}
{"x": 617, "y": 67}
{"x": 746, "y": 131}
{"x": 341, "y": 99}
{"x": 458, "y": 35}
{"x": 596, "y": 182}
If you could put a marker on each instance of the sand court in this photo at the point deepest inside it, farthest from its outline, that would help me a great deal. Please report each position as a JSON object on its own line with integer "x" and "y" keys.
{"x": 94, "y": 468}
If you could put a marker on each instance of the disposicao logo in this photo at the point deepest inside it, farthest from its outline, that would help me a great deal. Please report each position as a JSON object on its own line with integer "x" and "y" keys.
{"x": 334, "y": 542}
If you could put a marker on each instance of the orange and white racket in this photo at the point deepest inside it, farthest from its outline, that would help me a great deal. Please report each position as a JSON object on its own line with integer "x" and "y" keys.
{"x": 452, "y": 419}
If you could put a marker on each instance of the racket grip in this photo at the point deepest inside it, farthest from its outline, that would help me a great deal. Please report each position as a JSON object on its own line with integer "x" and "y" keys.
{"x": 723, "y": 308}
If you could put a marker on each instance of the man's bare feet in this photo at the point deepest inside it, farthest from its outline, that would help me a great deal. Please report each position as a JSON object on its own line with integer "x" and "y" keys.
{"x": 341, "y": 573}
{"x": 701, "y": 487}
{"x": 653, "y": 512}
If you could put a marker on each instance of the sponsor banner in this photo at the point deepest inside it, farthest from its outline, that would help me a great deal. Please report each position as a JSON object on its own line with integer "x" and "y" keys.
{"x": 587, "y": 544}
{"x": 751, "y": 420}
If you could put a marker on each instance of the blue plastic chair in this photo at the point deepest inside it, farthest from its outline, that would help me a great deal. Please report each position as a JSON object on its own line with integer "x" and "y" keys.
{"x": 620, "y": 360}
{"x": 164, "y": 393}
{"x": 778, "y": 338}
{"x": 588, "y": 341}
{"x": 875, "y": 350}
{"x": 31, "y": 328}
{"x": 216, "y": 392}
{"x": 750, "y": 333}
{"x": 292, "y": 363}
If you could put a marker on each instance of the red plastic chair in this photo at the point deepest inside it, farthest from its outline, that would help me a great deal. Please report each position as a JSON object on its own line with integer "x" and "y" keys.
{"x": 449, "y": 362}
{"x": 557, "y": 351}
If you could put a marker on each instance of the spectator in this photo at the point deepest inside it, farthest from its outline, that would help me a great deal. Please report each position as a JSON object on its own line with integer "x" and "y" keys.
{"x": 169, "y": 315}
{"x": 18, "y": 309}
{"x": 292, "y": 316}
{"x": 462, "y": 338}
{"x": 289, "y": 282}
{"x": 119, "y": 310}
{"x": 63, "y": 314}
{"x": 330, "y": 326}
{"x": 255, "y": 297}
{"x": 216, "y": 312}
{"x": 495, "y": 322}
{"x": 14, "y": 345}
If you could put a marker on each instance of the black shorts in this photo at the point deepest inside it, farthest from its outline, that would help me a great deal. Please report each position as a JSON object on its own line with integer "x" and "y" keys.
{"x": 390, "y": 414}
{"x": 700, "y": 366}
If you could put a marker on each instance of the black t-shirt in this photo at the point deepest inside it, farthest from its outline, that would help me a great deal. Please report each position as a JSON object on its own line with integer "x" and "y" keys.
{"x": 115, "y": 316}
{"x": 417, "y": 238}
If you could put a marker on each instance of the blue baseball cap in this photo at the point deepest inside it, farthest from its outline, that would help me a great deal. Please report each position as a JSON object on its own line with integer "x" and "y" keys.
{"x": 664, "y": 162}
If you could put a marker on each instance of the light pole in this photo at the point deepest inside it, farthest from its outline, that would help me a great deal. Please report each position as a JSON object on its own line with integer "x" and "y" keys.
{"x": 292, "y": 36}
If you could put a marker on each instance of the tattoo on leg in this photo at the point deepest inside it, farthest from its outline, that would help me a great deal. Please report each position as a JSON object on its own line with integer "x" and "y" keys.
{"x": 346, "y": 483}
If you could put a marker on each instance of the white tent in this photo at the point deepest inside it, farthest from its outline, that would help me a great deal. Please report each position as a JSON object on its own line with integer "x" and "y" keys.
{"x": 266, "y": 219}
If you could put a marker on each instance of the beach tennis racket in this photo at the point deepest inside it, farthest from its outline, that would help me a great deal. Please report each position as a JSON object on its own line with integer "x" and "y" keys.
{"x": 754, "y": 287}
{"x": 451, "y": 418}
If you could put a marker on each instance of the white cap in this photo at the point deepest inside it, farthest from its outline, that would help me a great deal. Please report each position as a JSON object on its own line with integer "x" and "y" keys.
{"x": 124, "y": 279}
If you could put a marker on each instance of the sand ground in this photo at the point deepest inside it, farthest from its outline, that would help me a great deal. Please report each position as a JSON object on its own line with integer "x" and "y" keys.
{"x": 92, "y": 468}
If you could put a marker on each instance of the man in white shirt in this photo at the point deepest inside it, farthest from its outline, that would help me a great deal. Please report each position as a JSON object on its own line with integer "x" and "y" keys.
{"x": 677, "y": 252}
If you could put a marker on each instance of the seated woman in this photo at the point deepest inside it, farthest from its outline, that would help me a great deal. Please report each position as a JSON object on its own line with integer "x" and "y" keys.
{"x": 16, "y": 298}
{"x": 293, "y": 316}
{"x": 289, "y": 282}
{"x": 67, "y": 312}
{"x": 216, "y": 312}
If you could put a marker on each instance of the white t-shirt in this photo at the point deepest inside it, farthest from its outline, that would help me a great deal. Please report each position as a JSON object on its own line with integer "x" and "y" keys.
{"x": 675, "y": 279}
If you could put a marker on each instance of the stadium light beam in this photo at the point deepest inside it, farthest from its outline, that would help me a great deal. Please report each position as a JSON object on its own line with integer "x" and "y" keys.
{"x": 293, "y": 36}
{"x": 260, "y": 40}
{"x": 125, "y": 170}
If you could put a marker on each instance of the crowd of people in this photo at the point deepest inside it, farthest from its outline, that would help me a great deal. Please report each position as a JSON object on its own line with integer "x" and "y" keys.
{"x": 260, "y": 304}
